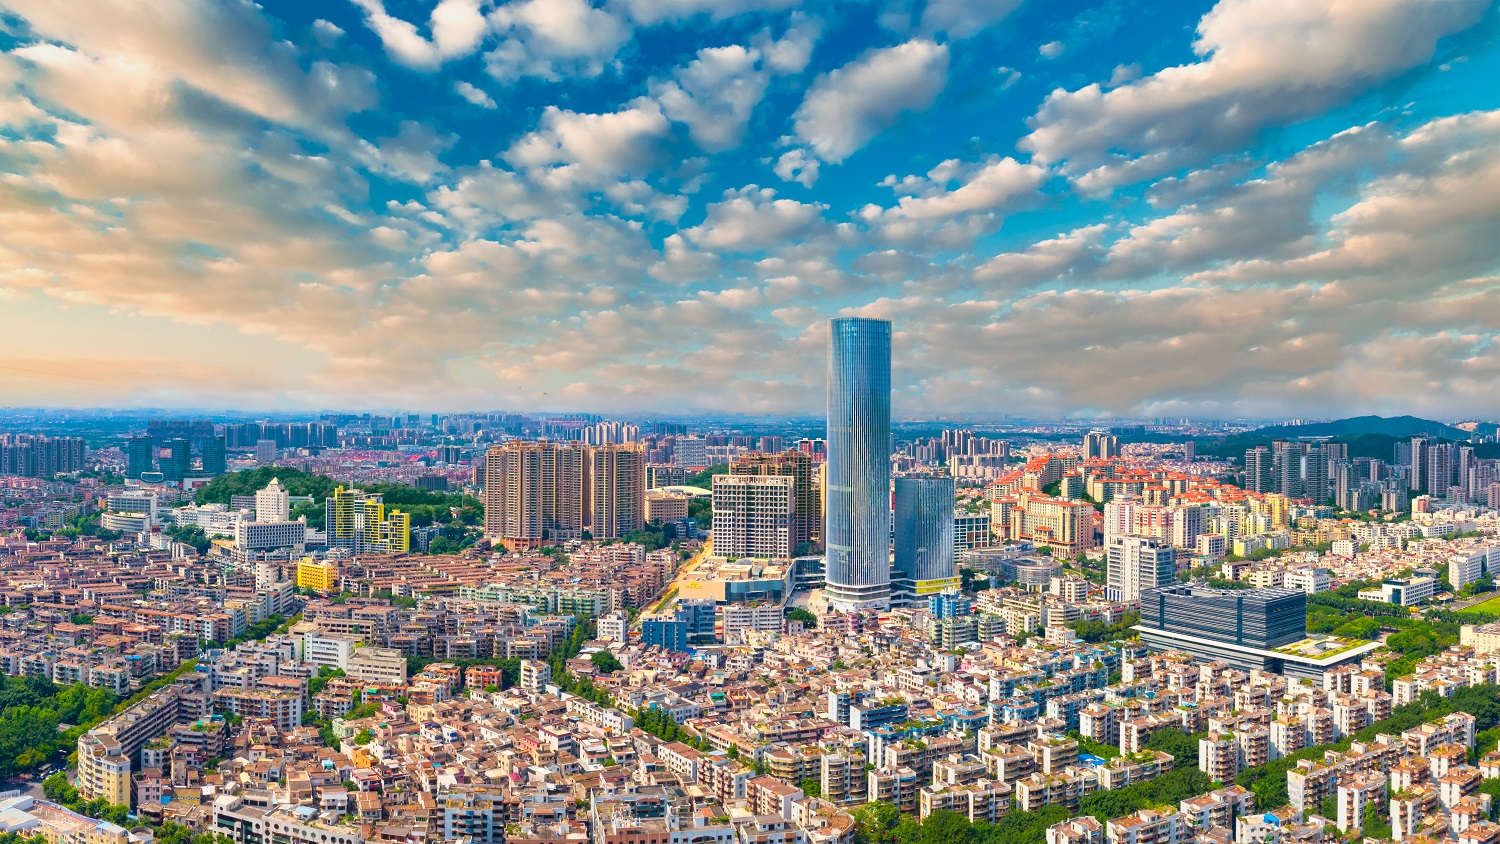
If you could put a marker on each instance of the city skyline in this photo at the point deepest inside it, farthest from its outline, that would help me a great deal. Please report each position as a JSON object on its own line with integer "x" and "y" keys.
{"x": 1242, "y": 208}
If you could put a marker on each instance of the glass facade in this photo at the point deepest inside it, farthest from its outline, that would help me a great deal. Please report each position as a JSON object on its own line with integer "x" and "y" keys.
{"x": 924, "y": 528}
{"x": 1258, "y": 618}
{"x": 858, "y": 519}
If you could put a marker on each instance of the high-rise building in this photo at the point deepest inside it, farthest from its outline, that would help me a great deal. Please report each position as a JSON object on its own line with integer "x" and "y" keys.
{"x": 178, "y": 459}
{"x": 265, "y": 451}
{"x": 140, "y": 456}
{"x": 924, "y": 532}
{"x": 617, "y": 489}
{"x": 807, "y": 520}
{"x": 1417, "y": 455}
{"x": 1438, "y": 475}
{"x": 273, "y": 503}
{"x": 1259, "y": 470}
{"x": 858, "y": 473}
{"x": 215, "y": 461}
{"x": 534, "y": 493}
{"x": 753, "y": 514}
{"x": 1100, "y": 445}
{"x": 689, "y": 451}
{"x": 1315, "y": 472}
{"x": 1138, "y": 563}
{"x": 358, "y": 521}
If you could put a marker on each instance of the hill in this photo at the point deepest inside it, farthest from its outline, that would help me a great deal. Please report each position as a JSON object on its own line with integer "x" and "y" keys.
{"x": 1399, "y": 427}
{"x": 423, "y": 506}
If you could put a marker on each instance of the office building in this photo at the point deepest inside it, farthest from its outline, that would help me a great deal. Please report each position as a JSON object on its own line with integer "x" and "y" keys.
{"x": 215, "y": 461}
{"x": 358, "y": 521}
{"x": 265, "y": 451}
{"x": 1262, "y": 629}
{"x": 924, "y": 528}
{"x": 858, "y": 470}
{"x": 1137, "y": 563}
{"x": 140, "y": 456}
{"x": 177, "y": 460}
{"x": 807, "y": 516}
{"x": 752, "y": 516}
{"x": 534, "y": 493}
{"x": 617, "y": 490}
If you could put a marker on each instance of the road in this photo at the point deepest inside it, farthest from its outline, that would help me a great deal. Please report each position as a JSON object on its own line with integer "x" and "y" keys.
{"x": 683, "y": 573}
{"x": 1469, "y": 602}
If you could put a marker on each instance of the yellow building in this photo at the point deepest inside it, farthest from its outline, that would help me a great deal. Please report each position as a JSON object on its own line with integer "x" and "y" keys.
{"x": 358, "y": 521}
{"x": 319, "y": 577}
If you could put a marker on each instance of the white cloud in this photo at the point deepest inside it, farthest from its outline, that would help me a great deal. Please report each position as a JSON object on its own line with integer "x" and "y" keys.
{"x": 457, "y": 28}
{"x": 1266, "y": 63}
{"x": 845, "y": 108}
{"x": 651, "y": 12}
{"x": 474, "y": 95}
{"x": 554, "y": 38}
{"x": 797, "y": 166}
{"x": 977, "y": 193}
{"x": 752, "y": 218}
{"x": 1047, "y": 260}
{"x": 964, "y": 18}
{"x": 716, "y": 93}
{"x": 1052, "y": 49}
{"x": 572, "y": 148}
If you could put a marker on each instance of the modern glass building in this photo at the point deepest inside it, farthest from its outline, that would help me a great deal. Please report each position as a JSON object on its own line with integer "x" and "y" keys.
{"x": 924, "y": 533}
{"x": 857, "y": 525}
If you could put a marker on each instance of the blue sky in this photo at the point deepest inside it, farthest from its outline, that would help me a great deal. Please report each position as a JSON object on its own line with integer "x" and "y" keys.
{"x": 1251, "y": 207}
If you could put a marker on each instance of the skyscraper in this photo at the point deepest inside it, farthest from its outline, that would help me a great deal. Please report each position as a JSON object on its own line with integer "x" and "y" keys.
{"x": 214, "y": 459}
{"x": 178, "y": 460}
{"x": 140, "y": 456}
{"x": 858, "y": 521}
{"x": 924, "y": 535}
{"x": 1260, "y": 471}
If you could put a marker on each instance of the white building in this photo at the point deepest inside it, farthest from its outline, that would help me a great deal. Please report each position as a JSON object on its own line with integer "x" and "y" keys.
{"x": 1138, "y": 563}
{"x": 613, "y": 626}
{"x": 328, "y": 649}
{"x": 377, "y": 665}
{"x": 1309, "y": 580}
{"x": 752, "y": 515}
{"x": 273, "y": 504}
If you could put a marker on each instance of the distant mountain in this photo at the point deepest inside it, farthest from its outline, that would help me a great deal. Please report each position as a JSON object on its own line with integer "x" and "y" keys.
{"x": 1390, "y": 426}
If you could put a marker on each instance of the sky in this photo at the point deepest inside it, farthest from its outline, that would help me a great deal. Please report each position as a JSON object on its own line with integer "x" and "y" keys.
{"x": 1244, "y": 208}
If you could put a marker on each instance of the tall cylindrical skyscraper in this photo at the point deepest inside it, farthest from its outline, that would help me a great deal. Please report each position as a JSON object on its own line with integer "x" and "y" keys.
{"x": 924, "y": 533}
{"x": 858, "y": 499}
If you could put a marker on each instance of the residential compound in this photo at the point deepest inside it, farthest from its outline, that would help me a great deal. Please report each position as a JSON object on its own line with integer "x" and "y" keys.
{"x": 539, "y": 493}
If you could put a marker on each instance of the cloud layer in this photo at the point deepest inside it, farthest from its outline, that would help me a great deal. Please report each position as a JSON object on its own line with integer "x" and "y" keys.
{"x": 656, "y": 206}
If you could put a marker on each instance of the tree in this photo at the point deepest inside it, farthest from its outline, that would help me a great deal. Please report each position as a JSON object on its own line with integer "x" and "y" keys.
{"x": 802, "y": 615}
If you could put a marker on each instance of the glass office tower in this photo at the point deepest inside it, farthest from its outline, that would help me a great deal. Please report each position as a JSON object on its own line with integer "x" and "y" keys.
{"x": 924, "y": 535}
{"x": 858, "y": 472}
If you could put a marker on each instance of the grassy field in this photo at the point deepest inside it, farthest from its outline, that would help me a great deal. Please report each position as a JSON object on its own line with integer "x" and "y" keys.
{"x": 1490, "y": 606}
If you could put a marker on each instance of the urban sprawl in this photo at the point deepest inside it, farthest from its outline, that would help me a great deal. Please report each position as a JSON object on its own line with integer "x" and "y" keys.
{"x": 548, "y": 629}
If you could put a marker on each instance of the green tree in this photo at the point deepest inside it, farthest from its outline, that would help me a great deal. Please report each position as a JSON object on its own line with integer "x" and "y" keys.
{"x": 804, "y": 616}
